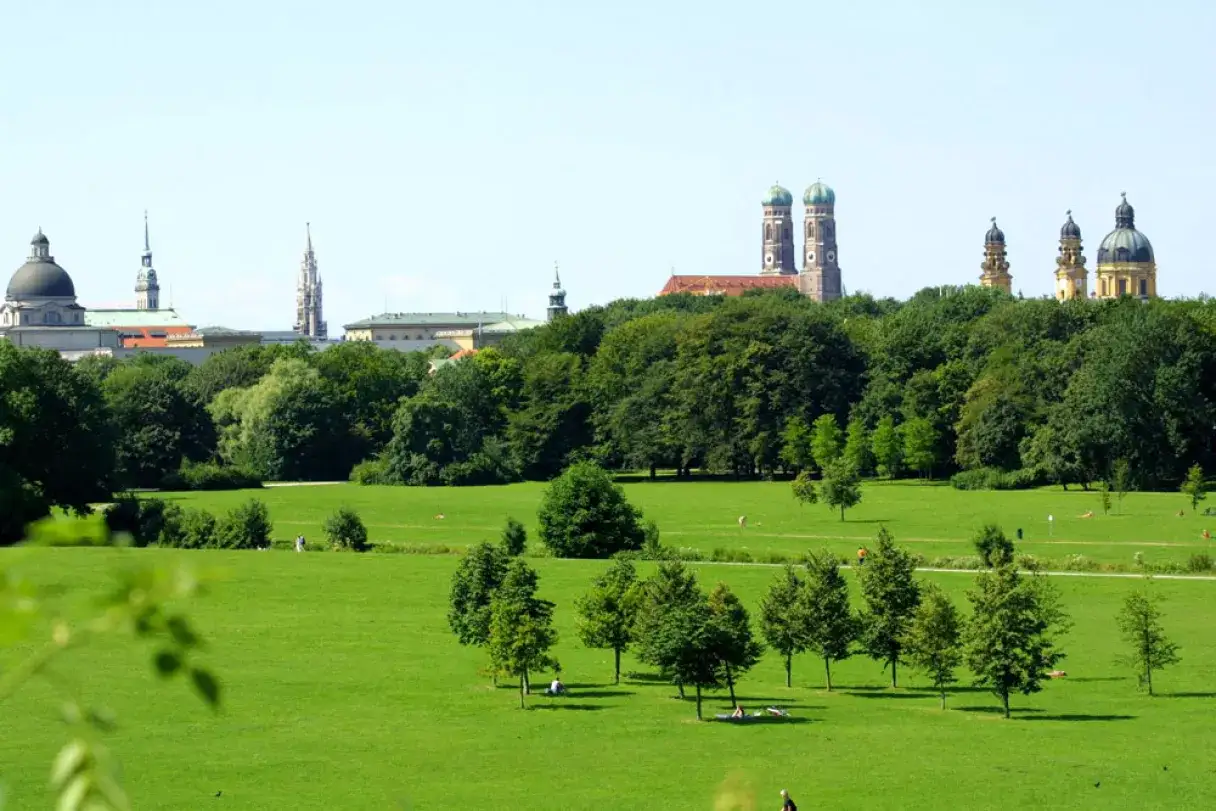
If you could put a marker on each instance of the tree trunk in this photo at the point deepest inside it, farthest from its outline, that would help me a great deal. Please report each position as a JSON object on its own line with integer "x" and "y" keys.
{"x": 618, "y": 666}
{"x": 943, "y": 689}
{"x": 680, "y": 687}
{"x": 527, "y": 682}
{"x": 521, "y": 692}
{"x": 698, "y": 702}
{"x": 841, "y": 512}
{"x": 894, "y": 665}
{"x": 1005, "y": 700}
{"x": 789, "y": 662}
{"x": 730, "y": 685}
{"x": 1148, "y": 677}
{"x": 827, "y": 669}
{"x": 653, "y": 472}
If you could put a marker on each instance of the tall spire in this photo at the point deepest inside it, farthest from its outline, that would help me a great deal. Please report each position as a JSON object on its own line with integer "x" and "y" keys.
{"x": 147, "y": 288}
{"x": 309, "y": 320}
{"x": 147, "y": 241}
{"x": 557, "y": 299}
{"x": 308, "y": 231}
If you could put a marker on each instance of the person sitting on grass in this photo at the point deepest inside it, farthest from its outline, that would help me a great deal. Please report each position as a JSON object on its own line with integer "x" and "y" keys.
{"x": 738, "y": 713}
{"x": 557, "y": 688}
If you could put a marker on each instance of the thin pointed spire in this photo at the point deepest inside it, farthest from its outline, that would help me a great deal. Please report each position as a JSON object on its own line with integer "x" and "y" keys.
{"x": 147, "y": 241}
{"x": 308, "y": 231}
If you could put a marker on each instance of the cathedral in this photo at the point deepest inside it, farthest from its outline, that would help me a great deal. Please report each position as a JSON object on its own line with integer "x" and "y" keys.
{"x": 1126, "y": 265}
{"x": 819, "y": 276}
{"x": 309, "y": 315}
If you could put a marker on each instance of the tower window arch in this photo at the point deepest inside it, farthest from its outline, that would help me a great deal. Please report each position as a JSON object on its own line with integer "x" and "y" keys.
{"x": 785, "y": 234}
{"x": 810, "y": 230}
{"x": 1144, "y": 287}
{"x": 768, "y": 232}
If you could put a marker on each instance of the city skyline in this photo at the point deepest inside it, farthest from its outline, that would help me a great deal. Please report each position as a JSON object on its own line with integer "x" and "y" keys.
{"x": 543, "y": 141}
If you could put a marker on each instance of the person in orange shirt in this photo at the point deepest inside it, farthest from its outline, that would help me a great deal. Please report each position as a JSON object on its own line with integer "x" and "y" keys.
{"x": 861, "y": 556}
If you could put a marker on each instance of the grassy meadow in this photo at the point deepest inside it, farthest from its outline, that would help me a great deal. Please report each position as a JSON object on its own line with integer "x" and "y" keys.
{"x": 344, "y": 689}
{"x": 932, "y": 519}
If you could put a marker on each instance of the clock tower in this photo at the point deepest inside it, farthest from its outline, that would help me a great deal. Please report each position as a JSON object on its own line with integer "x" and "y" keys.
{"x": 777, "y": 234}
{"x": 820, "y": 277}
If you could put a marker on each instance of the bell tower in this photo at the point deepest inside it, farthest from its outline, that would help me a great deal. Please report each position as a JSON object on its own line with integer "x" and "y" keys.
{"x": 777, "y": 234}
{"x": 995, "y": 269}
{"x": 820, "y": 278}
{"x": 1070, "y": 264}
{"x": 147, "y": 288}
{"x": 557, "y": 299}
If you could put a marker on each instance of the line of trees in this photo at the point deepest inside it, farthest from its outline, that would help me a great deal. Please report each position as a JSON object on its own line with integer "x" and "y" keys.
{"x": 705, "y": 641}
{"x": 963, "y": 382}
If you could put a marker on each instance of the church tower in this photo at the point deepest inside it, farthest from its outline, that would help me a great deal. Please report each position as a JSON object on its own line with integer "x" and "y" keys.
{"x": 777, "y": 235}
{"x": 820, "y": 277}
{"x": 557, "y": 299}
{"x": 996, "y": 267}
{"x": 1070, "y": 264}
{"x": 1126, "y": 265}
{"x": 147, "y": 288}
{"x": 309, "y": 315}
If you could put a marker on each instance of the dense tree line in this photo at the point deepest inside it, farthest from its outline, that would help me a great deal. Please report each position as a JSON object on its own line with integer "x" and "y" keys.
{"x": 964, "y": 382}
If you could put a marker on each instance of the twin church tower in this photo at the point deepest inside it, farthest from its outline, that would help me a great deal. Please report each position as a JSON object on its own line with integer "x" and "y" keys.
{"x": 820, "y": 275}
{"x": 1126, "y": 265}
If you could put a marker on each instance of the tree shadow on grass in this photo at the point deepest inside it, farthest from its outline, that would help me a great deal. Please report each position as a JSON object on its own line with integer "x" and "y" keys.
{"x": 1080, "y": 717}
{"x": 785, "y": 704}
{"x": 1187, "y": 695}
{"x": 892, "y": 694}
{"x": 1085, "y": 679}
{"x": 764, "y": 720}
{"x": 996, "y": 709}
{"x": 578, "y": 692}
{"x": 566, "y": 705}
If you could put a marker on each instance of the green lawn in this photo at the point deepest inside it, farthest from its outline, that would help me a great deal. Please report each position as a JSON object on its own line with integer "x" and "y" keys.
{"x": 344, "y": 689}
{"x": 934, "y": 520}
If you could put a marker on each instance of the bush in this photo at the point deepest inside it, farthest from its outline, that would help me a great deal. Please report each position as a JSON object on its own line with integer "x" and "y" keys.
{"x": 584, "y": 514}
{"x": 344, "y": 530}
{"x": 514, "y": 538}
{"x": 123, "y": 516}
{"x": 374, "y": 471}
{"x": 1078, "y": 563}
{"x": 246, "y": 526}
{"x": 1201, "y": 562}
{"x": 992, "y": 546}
{"x": 188, "y": 528}
{"x": 991, "y": 478}
{"x": 210, "y": 476}
{"x": 966, "y": 562}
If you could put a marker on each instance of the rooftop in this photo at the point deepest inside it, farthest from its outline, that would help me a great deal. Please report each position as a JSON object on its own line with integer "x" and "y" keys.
{"x": 134, "y": 318}
{"x": 725, "y": 285}
{"x": 431, "y": 320}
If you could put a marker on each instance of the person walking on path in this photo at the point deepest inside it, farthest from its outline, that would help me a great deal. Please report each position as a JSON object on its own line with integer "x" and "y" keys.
{"x": 861, "y": 555}
{"x": 787, "y": 802}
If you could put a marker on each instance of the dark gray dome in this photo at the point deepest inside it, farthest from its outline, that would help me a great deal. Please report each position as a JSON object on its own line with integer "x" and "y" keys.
{"x": 1125, "y": 243}
{"x": 41, "y": 279}
{"x": 1070, "y": 230}
{"x": 995, "y": 236}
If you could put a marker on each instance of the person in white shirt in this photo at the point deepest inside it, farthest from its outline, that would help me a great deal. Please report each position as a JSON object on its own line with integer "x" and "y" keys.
{"x": 557, "y": 688}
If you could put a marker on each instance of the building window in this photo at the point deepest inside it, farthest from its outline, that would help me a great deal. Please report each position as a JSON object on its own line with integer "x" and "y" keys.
{"x": 786, "y": 233}
{"x": 1144, "y": 288}
{"x": 392, "y": 337}
{"x": 379, "y": 337}
{"x": 768, "y": 233}
{"x": 1123, "y": 287}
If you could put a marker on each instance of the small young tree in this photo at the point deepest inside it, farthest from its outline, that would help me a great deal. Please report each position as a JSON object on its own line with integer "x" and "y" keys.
{"x": 607, "y": 614}
{"x": 514, "y": 538}
{"x": 887, "y": 447}
{"x": 992, "y": 546}
{"x": 737, "y": 647}
{"x": 477, "y": 577}
{"x": 831, "y": 626}
{"x": 827, "y": 440}
{"x": 857, "y": 451}
{"x": 840, "y": 487}
{"x": 345, "y": 530}
{"x": 1009, "y": 640}
{"x": 796, "y": 445}
{"x": 783, "y": 618}
{"x": 804, "y": 488}
{"x": 1104, "y": 492}
{"x": 932, "y": 640}
{"x": 920, "y": 445}
{"x": 1195, "y": 487}
{"x": 667, "y": 590}
{"x": 891, "y": 593}
{"x": 1122, "y": 480}
{"x": 584, "y": 514}
{"x": 1140, "y": 624}
{"x": 691, "y": 642}
{"x": 521, "y": 627}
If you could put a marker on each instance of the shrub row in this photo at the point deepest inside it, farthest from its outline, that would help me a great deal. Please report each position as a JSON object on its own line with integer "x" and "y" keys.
{"x": 991, "y": 478}
{"x": 210, "y": 476}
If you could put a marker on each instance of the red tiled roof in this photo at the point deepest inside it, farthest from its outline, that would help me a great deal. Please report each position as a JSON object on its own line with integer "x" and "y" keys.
{"x": 725, "y": 285}
{"x": 464, "y": 353}
{"x": 142, "y": 337}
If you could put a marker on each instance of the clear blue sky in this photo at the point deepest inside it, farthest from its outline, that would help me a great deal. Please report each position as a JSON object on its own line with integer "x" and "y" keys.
{"x": 448, "y": 153}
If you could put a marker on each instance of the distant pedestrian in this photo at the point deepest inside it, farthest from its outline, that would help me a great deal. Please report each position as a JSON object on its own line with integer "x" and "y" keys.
{"x": 787, "y": 802}
{"x": 299, "y": 543}
{"x": 743, "y": 522}
{"x": 861, "y": 555}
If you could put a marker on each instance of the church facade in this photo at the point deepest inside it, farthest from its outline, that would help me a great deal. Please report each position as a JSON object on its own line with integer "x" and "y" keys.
{"x": 1126, "y": 264}
{"x": 818, "y": 277}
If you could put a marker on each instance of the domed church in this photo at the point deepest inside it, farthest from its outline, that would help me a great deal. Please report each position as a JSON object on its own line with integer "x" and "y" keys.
{"x": 40, "y": 307}
{"x": 1126, "y": 265}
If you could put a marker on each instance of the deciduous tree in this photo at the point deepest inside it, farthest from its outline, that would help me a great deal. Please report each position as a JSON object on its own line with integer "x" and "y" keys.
{"x": 668, "y": 589}
{"x": 1149, "y": 648}
{"x": 1195, "y": 487}
{"x": 891, "y": 594}
{"x": 521, "y": 627}
{"x": 584, "y": 514}
{"x": 477, "y": 577}
{"x": 840, "y": 488}
{"x": 607, "y": 615}
{"x": 831, "y": 625}
{"x": 887, "y": 447}
{"x": 857, "y": 450}
{"x": 827, "y": 440}
{"x": 737, "y": 647}
{"x": 784, "y": 619}
{"x": 933, "y": 639}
